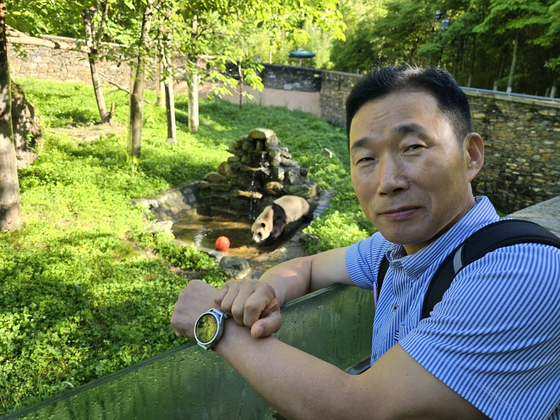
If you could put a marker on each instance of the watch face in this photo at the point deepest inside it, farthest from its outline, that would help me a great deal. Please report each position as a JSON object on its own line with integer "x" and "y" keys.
{"x": 206, "y": 328}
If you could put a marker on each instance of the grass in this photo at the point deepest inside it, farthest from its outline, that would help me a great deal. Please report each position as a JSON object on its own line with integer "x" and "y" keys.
{"x": 84, "y": 289}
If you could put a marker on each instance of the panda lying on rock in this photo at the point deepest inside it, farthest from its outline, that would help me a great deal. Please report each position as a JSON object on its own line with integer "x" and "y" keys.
{"x": 269, "y": 225}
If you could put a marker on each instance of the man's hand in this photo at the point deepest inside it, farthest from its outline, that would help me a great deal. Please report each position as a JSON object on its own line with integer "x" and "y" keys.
{"x": 251, "y": 303}
{"x": 194, "y": 299}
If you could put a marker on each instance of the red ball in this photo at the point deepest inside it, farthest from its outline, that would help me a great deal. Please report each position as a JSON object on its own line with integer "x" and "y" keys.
{"x": 222, "y": 243}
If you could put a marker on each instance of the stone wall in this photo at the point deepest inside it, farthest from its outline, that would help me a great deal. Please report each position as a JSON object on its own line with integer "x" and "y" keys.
{"x": 69, "y": 66}
{"x": 335, "y": 88}
{"x": 522, "y": 141}
{"x": 277, "y": 76}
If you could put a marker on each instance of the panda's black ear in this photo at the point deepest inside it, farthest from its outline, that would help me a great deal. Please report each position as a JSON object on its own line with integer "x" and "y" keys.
{"x": 263, "y": 225}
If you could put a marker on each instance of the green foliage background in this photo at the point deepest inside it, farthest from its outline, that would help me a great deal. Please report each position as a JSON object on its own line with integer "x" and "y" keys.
{"x": 84, "y": 289}
{"x": 477, "y": 46}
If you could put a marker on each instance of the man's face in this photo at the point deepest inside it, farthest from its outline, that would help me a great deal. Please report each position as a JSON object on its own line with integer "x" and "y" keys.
{"x": 409, "y": 171}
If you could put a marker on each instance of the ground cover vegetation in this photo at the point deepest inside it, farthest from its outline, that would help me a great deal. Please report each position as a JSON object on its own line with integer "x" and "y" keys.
{"x": 85, "y": 290}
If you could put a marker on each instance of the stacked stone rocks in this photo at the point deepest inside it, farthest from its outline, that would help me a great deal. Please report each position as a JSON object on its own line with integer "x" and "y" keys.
{"x": 259, "y": 171}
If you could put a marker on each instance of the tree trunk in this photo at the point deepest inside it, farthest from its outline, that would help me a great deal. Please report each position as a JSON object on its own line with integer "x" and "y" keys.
{"x": 473, "y": 55}
{"x": 513, "y": 62}
{"x": 105, "y": 116}
{"x": 10, "y": 212}
{"x": 160, "y": 83}
{"x": 170, "y": 111}
{"x": 499, "y": 72}
{"x": 167, "y": 63}
{"x": 193, "y": 81}
{"x": 240, "y": 71}
{"x": 137, "y": 93}
{"x": 458, "y": 54}
{"x": 553, "y": 90}
{"x": 193, "y": 102}
{"x": 167, "y": 67}
{"x": 92, "y": 43}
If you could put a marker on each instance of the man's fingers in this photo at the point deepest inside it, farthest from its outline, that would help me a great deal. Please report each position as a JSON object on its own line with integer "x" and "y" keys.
{"x": 239, "y": 308}
{"x": 229, "y": 296}
{"x": 219, "y": 296}
{"x": 247, "y": 301}
{"x": 267, "y": 326}
{"x": 258, "y": 306}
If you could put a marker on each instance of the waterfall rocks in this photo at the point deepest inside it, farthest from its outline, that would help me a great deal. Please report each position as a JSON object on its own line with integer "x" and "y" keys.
{"x": 258, "y": 171}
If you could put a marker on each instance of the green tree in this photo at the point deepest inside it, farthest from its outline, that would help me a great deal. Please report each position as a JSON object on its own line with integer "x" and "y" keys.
{"x": 549, "y": 40}
{"x": 93, "y": 37}
{"x": 517, "y": 19}
{"x": 89, "y": 21}
{"x": 209, "y": 32}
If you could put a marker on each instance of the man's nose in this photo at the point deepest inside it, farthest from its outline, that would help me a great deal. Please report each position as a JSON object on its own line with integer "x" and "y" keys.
{"x": 393, "y": 177}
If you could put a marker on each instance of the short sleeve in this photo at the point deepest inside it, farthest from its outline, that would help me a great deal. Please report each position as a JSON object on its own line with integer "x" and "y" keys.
{"x": 363, "y": 259}
{"x": 495, "y": 336}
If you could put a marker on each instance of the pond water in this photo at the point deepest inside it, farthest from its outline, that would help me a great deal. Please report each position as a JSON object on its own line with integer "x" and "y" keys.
{"x": 203, "y": 232}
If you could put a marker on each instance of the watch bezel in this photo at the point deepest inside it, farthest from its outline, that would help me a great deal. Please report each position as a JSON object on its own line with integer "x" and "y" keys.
{"x": 219, "y": 316}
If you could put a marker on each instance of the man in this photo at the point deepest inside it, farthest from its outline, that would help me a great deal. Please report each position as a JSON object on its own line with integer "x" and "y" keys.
{"x": 490, "y": 348}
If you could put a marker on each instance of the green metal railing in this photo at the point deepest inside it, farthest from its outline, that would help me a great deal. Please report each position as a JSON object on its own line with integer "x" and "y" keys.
{"x": 334, "y": 324}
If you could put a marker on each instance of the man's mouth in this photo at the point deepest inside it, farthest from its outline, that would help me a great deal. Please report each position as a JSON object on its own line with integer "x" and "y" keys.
{"x": 399, "y": 213}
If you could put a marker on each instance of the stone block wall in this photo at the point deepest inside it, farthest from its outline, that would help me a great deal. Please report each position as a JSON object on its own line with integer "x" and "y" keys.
{"x": 278, "y": 76}
{"x": 63, "y": 65}
{"x": 522, "y": 142}
{"x": 68, "y": 66}
{"x": 335, "y": 88}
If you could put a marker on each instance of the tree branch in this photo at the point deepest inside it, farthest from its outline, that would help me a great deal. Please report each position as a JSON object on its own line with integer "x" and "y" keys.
{"x": 104, "y": 15}
{"x": 119, "y": 87}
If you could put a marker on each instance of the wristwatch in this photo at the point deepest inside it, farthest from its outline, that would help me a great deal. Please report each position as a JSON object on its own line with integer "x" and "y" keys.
{"x": 209, "y": 327}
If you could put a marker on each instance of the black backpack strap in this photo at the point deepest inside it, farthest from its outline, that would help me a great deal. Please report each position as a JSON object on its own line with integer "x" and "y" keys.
{"x": 383, "y": 267}
{"x": 491, "y": 237}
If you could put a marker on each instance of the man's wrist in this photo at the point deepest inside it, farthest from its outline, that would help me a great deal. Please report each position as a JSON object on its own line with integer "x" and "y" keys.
{"x": 232, "y": 336}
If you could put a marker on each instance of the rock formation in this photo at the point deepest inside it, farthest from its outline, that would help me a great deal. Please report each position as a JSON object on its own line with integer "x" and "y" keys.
{"x": 259, "y": 171}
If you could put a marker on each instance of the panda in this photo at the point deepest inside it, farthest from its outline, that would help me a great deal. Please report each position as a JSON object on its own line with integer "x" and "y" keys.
{"x": 269, "y": 225}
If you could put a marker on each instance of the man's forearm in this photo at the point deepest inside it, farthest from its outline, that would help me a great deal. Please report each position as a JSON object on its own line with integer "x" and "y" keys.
{"x": 297, "y": 277}
{"x": 290, "y": 280}
{"x": 295, "y": 383}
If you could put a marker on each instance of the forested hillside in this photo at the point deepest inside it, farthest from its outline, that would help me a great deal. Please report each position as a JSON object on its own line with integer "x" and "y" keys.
{"x": 483, "y": 43}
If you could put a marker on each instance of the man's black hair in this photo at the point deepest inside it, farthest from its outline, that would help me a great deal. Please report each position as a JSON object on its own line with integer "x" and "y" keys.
{"x": 382, "y": 81}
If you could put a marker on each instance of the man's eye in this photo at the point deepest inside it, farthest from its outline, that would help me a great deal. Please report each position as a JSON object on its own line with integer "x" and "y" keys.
{"x": 414, "y": 147}
{"x": 365, "y": 159}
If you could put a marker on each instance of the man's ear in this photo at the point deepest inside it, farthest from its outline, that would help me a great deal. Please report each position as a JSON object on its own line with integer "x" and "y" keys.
{"x": 474, "y": 151}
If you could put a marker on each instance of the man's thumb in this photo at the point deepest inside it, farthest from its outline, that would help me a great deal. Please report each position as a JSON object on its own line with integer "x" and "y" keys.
{"x": 268, "y": 325}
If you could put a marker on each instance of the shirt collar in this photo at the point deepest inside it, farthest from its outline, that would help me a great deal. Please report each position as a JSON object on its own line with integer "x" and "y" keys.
{"x": 482, "y": 214}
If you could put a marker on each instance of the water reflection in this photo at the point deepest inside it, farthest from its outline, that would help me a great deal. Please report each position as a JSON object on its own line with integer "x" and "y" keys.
{"x": 203, "y": 231}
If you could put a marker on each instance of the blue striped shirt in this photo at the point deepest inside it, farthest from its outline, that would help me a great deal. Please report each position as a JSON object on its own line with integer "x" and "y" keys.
{"x": 495, "y": 336}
